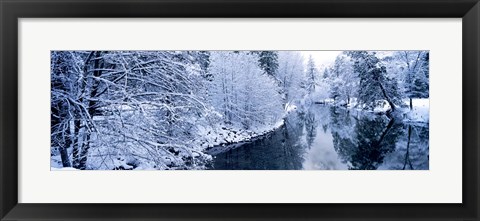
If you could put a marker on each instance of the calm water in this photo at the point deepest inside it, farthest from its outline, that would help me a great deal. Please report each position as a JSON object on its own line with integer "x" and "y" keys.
{"x": 329, "y": 138}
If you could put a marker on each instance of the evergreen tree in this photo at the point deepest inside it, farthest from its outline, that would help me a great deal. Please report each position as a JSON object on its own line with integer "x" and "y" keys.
{"x": 326, "y": 73}
{"x": 422, "y": 79}
{"x": 374, "y": 82}
{"x": 335, "y": 89}
{"x": 311, "y": 75}
{"x": 203, "y": 59}
{"x": 268, "y": 61}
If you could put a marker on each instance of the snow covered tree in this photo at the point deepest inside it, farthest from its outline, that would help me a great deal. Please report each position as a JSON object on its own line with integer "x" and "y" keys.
{"x": 344, "y": 80}
{"x": 335, "y": 89}
{"x": 311, "y": 75}
{"x": 158, "y": 105}
{"x": 415, "y": 71}
{"x": 336, "y": 82}
{"x": 268, "y": 61}
{"x": 242, "y": 93}
{"x": 75, "y": 88}
{"x": 326, "y": 73}
{"x": 291, "y": 75}
{"x": 137, "y": 107}
{"x": 374, "y": 83}
{"x": 203, "y": 60}
{"x": 323, "y": 86}
{"x": 64, "y": 66}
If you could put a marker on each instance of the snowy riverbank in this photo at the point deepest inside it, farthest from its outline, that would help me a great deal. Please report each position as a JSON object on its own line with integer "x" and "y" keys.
{"x": 418, "y": 114}
{"x": 223, "y": 135}
{"x": 420, "y": 111}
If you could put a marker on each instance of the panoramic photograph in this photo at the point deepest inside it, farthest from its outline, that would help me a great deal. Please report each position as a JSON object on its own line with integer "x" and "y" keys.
{"x": 239, "y": 110}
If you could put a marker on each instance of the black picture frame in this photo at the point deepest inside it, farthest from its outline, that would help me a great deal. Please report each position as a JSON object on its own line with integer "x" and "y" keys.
{"x": 11, "y": 10}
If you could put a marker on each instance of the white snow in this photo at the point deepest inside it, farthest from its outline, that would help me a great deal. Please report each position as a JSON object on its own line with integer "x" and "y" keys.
{"x": 223, "y": 135}
{"x": 420, "y": 111}
{"x": 161, "y": 110}
{"x": 289, "y": 107}
{"x": 382, "y": 107}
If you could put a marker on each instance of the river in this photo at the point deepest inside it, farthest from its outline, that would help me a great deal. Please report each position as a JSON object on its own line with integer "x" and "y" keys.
{"x": 331, "y": 138}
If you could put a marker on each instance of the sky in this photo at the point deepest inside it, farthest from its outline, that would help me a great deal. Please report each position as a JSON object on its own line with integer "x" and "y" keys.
{"x": 327, "y": 58}
{"x": 322, "y": 58}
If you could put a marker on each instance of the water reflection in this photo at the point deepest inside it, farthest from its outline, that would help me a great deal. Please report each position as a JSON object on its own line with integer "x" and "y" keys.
{"x": 329, "y": 138}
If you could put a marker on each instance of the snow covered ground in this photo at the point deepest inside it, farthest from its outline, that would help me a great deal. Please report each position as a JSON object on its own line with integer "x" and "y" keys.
{"x": 420, "y": 111}
{"x": 222, "y": 135}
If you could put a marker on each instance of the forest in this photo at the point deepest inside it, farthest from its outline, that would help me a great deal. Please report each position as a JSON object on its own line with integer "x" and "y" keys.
{"x": 181, "y": 110}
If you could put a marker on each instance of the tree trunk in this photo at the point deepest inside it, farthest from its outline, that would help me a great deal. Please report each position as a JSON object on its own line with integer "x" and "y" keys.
{"x": 411, "y": 105}
{"x": 91, "y": 106}
{"x": 407, "y": 155}
{"x": 385, "y": 95}
{"x": 76, "y": 143}
{"x": 63, "y": 148}
{"x": 58, "y": 139}
{"x": 64, "y": 156}
{"x": 82, "y": 165}
{"x": 385, "y": 132}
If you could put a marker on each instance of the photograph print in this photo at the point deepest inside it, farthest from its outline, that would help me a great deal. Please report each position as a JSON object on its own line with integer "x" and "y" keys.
{"x": 239, "y": 110}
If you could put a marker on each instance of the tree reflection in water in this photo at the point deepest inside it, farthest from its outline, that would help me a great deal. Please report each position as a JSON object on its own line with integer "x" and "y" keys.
{"x": 326, "y": 137}
{"x": 282, "y": 149}
{"x": 371, "y": 140}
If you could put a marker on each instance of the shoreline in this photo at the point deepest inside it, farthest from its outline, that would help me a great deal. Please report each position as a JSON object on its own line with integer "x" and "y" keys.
{"x": 243, "y": 137}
